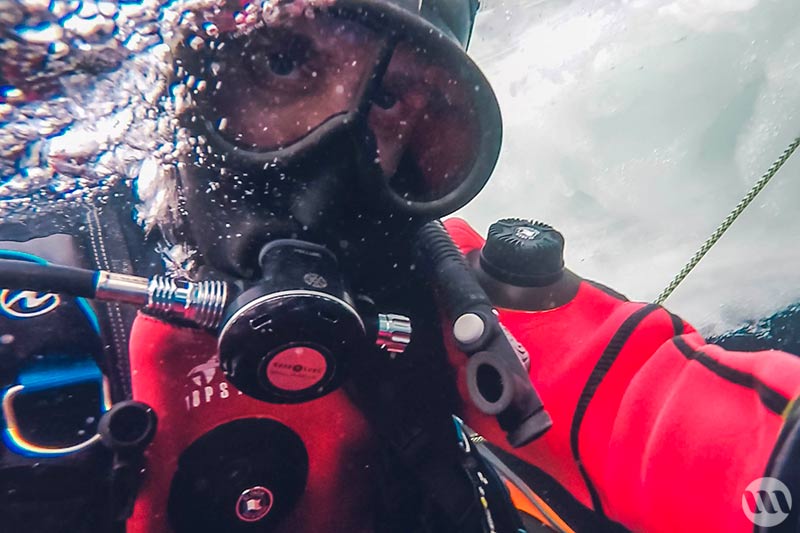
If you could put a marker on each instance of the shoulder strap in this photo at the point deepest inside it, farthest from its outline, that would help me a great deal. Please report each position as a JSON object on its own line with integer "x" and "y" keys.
{"x": 106, "y": 250}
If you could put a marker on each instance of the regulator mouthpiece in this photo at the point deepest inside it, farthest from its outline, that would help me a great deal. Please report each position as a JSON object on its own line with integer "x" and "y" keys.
{"x": 291, "y": 336}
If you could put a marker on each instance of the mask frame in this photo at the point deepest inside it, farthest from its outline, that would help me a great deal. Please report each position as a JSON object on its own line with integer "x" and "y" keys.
{"x": 397, "y": 24}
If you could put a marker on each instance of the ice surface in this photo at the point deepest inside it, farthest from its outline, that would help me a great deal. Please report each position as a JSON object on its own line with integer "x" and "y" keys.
{"x": 636, "y": 126}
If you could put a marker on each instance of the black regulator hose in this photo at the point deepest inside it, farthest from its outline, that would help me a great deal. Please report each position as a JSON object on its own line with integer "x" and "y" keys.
{"x": 26, "y": 275}
{"x": 497, "y": 378}
{"x": 202, "y": 303}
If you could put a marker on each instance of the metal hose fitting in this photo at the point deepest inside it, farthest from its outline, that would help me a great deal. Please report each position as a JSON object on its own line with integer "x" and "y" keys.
{"x": 202, "y": 302}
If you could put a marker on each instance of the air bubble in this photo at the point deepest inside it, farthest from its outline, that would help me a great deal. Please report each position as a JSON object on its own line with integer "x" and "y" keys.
{"x": 12, "y": 94}
{"x": 58, "y": 49}
{"x": 107, "y": 9}
{"x": 211, "y": 29}
{"x": 87, "y": 10}
{"x": 42, "y": 34}
{"x": 196, "y": 42}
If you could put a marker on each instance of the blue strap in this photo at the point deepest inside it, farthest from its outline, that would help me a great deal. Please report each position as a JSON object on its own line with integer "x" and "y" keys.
{"x": 59, "y": 375}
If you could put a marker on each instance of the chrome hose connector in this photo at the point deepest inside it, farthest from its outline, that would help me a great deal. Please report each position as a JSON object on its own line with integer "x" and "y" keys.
{"x": 111, "y": 287}
{"x": 394, "y": 332}
{"x": 202, "y": 303}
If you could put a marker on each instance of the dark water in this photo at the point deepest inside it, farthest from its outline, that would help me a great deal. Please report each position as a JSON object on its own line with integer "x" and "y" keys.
{"x": 780, "y": 331}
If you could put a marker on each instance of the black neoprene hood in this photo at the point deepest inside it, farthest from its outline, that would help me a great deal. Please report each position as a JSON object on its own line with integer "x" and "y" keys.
{"x": 453, "y": 18}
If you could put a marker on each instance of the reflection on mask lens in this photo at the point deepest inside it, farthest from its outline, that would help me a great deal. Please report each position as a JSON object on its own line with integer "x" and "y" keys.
{"x": 425, "y": 124}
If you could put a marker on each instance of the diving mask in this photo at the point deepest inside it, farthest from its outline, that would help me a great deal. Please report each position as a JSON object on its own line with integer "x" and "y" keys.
{"x": 302, "y": 122}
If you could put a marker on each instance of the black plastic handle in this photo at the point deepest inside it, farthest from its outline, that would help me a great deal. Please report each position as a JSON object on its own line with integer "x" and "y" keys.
{"x": 497, "y": 381}
{"x": 460, "y": 292}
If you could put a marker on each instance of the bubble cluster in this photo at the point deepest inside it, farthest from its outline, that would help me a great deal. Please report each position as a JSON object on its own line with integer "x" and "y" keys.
{"x": 81, "y": 105}
{"x": 91, "y": 102}
{"x": 88, "y": 99}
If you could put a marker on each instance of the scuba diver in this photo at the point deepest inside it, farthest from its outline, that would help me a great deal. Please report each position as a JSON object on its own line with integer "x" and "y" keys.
{"x": 306, "y": 376}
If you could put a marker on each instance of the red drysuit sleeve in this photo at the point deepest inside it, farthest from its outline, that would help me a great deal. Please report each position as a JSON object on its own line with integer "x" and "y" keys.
{"x": 652, "y": 427}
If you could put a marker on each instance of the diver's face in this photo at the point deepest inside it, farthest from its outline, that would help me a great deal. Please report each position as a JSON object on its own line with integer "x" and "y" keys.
{"x": 280, "y": 82}
{"x": 309, "y": 125}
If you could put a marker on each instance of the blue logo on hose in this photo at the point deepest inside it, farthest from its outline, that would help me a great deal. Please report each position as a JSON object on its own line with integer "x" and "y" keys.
{"x": 27, "y": 304}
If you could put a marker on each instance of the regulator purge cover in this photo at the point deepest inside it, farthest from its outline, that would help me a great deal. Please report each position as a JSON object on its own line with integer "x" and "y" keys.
{"x": 289, "y": 338}
{"x": 289, "y": 347}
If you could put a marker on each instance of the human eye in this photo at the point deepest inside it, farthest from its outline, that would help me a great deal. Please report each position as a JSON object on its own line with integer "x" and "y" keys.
{"x": 277, "y": 58}
{"x": 400, "y": 93}
{"x": 385, "y": 98}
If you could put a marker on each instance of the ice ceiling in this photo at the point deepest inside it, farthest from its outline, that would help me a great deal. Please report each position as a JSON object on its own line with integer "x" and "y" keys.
{"x": 635, "y": 127}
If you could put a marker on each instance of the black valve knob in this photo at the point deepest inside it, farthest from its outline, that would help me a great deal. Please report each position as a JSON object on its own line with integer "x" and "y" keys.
{"x": 523, "y": 253}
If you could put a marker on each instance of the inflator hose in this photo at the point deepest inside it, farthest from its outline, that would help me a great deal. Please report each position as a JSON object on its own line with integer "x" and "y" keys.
{"x": 454, "y": 278}
{"x": 497, "y": 381}
{"x": 25, "y": 275}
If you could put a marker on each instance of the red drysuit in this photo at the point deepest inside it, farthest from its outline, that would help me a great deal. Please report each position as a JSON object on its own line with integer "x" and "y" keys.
{"x": 652, "y": 427}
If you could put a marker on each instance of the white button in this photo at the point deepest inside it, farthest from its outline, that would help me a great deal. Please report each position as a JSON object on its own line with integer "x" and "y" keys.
{"x": 468, "y": 328}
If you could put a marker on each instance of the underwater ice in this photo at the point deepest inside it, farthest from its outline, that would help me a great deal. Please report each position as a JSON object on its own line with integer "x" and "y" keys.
{"x": 635, "y": 126}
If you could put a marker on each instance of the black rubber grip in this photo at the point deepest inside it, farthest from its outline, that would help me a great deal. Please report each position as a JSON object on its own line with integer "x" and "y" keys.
{"x": 25, "y": 275}
{"x": 455, "y": 280}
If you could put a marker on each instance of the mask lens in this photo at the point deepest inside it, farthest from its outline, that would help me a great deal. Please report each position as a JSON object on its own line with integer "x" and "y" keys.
{"x": 272, "y": 87}
{"x": 426, "y": 124}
